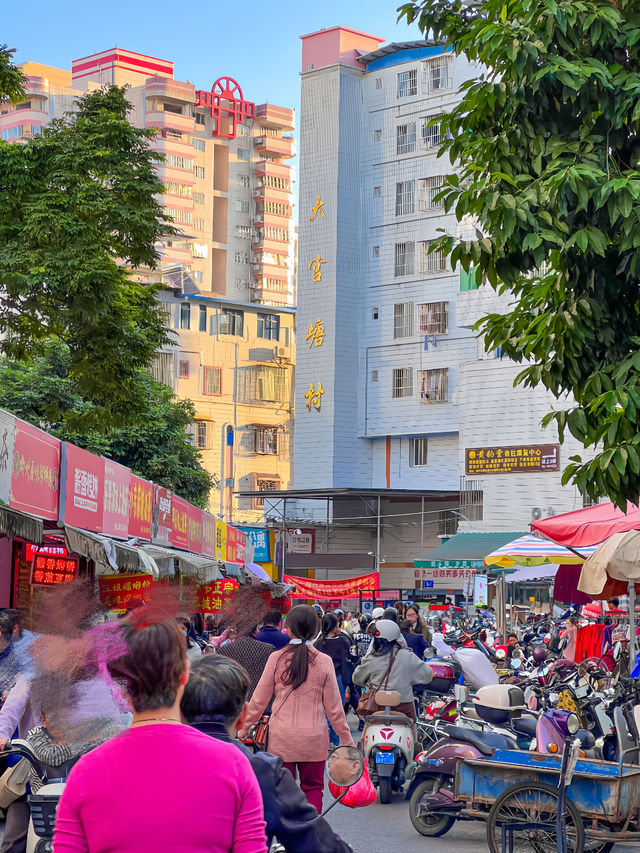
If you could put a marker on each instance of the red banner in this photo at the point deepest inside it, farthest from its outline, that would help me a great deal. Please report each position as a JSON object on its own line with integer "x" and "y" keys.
{"x": 208, "y": 535}
{"x": 116, "y": 590}
{"x": 321, "y": 590}
{"x": 117, "y": 484}
{"x": 194, "y": 528}
{"x": 163, "y": 499}
{"x": 36, "y": 472}
{"x": 84, "y": 488}
{"x": 236, "y": 545}
{"x": 140, "y": 507}
{"x": 216, "y": 597}
{"x": 179, "y": 523}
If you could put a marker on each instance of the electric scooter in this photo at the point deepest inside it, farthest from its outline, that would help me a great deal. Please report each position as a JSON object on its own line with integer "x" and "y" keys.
{"x": 388, "y": 745}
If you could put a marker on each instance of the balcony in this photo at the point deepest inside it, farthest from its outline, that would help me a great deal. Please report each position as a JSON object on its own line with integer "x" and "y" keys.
{"x": 278, "y": 170}
{"x": 269, "y": 115}
{"x": 270, "y": 297}
{"x": 273, "y": 194}
{"x": 171, "y": 121}
{"x": 273, "y": 219}
{"x": 276, "y": 146}
{"x": 165, "y": 87}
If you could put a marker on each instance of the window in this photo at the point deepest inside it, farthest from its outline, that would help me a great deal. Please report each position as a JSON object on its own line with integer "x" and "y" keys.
{"x": 199, "y": 171}
{"x": 377, "y": 192}
{"x": 177, "y": 162}
{"x": 200, "y": 434}
{"x": 378, "y": 82}
{"x": 197, "y": 276}
{"x": 403, "y": 320}
{"x": 198, "y": 224}
{"x": 376, "y": 251}
{"x": 402, "y": 382}
{"x": 418, "y": 452}
{"x": 405, "y": 138}
{"x": 433, "y": 318}
{"x": 161, "y": 368}
{"x": 183, "y": 368}
{"x": 269, "y": 327}
{"x": 185, "y": 315}
{"x": 11, "y": 133}
{"x": 428, "y": 190}
{"x": 431, "y": 136}
{"x": 404, "y": 259}
{"x": 266, "y": 486}
{"x": 471, "y": 499}
{"x": 243, "y": 180}
{"x": 179, "y": 215}
{"x": 198, "y": 144}
{"x": 374, "y": 375}
{"x": 171, "y": 108}
{"x": 265, "y": 440}
{"x": 375, "y": 313}
{"x": 242, "y": 206}
{"x": 407, "y": 83}
{"x": 276, "y": 182}
{"x": 277, "y": 208}
{"x": 198, "y": 198}
{"x": 241, "y": 257}
{"x": 199, "y": 118}
{"x": 436, "y": 74}
{"x": 202, "y": 320}
{"x": 243, "y": 231}
{"x": 377, "y": 135}
{"x": 173, "y": 188}
{"x": 243, "y": 154}
{"x": 262, "y": 384}
{"x": 232, "y": 322}
{"x": 212, "y": 380}
{"x": 431, "y": 261}
{"x": 433, "y": 385}
{"x": 405, "y": 192}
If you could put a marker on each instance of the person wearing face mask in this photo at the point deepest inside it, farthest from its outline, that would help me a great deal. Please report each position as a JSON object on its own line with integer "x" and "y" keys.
{"x": 193, "y": 649}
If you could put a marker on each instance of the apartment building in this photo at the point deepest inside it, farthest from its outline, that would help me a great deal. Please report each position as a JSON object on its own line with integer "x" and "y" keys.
{"x": 228, "y": 182}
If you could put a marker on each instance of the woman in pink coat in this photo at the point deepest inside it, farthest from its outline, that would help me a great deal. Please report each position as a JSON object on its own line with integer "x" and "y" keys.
{"x": 306, "y": 692}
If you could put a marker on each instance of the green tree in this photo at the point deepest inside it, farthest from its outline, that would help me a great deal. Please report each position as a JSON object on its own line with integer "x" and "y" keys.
{"x": 156, "y": 446}
{"x": 78, "y": 205}
{"x": 546, "y": 141}
{"x": 11, "y": 78}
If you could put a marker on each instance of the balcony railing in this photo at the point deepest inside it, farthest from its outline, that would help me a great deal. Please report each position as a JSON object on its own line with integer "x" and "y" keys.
{"x": 280, "y": 146}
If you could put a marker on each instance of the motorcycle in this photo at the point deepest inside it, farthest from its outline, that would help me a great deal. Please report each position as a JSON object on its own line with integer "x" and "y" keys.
{"x": 388, "y": 745}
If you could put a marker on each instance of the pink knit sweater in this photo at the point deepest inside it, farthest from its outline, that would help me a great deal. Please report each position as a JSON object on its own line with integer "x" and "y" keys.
{"x": 298, "y": 728}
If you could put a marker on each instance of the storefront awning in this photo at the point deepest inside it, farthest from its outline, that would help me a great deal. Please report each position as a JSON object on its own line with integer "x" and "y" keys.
{"x": 233, "y": 570}
{"x": 464, "y": 550}
{"x": 108, "y": 554}
{"x": 13, "y": 523}
{"x": 201, "y": 569}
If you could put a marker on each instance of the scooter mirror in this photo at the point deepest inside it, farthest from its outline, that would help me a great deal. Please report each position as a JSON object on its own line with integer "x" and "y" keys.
{"x": 516, "y": 663}
{"x": 345, "y": 766}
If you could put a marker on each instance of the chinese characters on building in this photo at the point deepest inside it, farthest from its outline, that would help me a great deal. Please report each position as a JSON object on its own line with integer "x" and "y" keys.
{"x": 85, "y": 490}
{"x": 316, "y": 268}
{"x": 513, "y": 460}
{"x": 314, "y": 397}
{"x": 315, "y": 333}
{"x": 317, "y": 208}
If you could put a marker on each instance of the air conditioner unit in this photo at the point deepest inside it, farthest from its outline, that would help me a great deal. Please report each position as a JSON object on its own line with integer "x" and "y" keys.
{"x": 538, "y": 512}
{"x": 281, "y": 352}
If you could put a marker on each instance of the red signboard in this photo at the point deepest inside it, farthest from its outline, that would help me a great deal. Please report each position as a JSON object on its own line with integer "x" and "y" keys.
{"x": 236, "y": 545}
{"x": 194, "y": 528}
{"x": 208, "y": 535}
{"x": 115, "y": 516}
{"x": 49, "y": 570}
{"x": 36, "y": 472}
{"x": 116, "y": 590}
{"x": 326, "y": 590}
{"x": 84, "y": 488}
{"x": 47, "y": 550}
{"x": 163, "y": 499}
{"x": 140, "y": 507}
{"x": 179, "y": 523}
{"x": 216, "y": 597}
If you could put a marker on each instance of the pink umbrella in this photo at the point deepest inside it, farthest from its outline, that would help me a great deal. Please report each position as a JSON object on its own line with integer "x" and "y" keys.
{"x": 588, "y": 526}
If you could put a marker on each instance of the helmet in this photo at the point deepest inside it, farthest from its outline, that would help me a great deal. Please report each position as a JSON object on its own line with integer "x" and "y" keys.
{"x": 318, "y": 610}
{"x": 377, "y": 612}
{"x": 365, "y": 620}
{"x": 387, "y": 630}
{"x": 540, "y": 654}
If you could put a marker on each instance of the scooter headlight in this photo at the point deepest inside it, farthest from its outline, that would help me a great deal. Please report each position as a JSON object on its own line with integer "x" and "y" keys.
{"x": 573, "y": 724}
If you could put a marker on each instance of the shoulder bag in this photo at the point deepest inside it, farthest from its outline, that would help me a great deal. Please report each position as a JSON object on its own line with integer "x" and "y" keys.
{"x": 259, "y": 732}
{"x": 367, "y": 704}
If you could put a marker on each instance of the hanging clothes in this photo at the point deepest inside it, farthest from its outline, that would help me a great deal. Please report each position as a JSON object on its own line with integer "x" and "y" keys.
{"x": 589, "y": 642}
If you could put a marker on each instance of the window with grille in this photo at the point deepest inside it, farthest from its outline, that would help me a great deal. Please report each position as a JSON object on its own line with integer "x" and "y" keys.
{"x": 198, "y": 224}
{"x": 198, "y": 198}
{"x": 200, "y": 434}
{"x": 269, "y": 327}
{"x": 433, "y": 261}
{"x": 174, "y": 188}
{"x": 404, "y": 258}
{"x": 243, "y": 154}
{"x": 263, "y": 384}
{"x": 242, "y": 206}
{"x": 418, "y": 452}
{"x": 403, "y": 319}
{"x": 265, "y": 440}
{"x": 405, "y": 197}
{"x": 405, "y": 138}
{"x": 179, "y": 215}
{"x": 407, "y": 83}
{"x": 433, "y": 385}
{"x": 243, "y": 231}
{"x": 378, "y": 82}
{"x": 212, "y": 380}
{"x": 429, "y": 189}
{"x": 198, "y": 144}
{"x": 263, "y": 485}
{"x": 437, "y": 74}
{"x": 243, "y": 180}
{"x": 232, "y": 323}
{"x": 402, "y": 382}
{"x": 202, "y": 324}
{"x": 433, "y": 318}
{"x": 161, "y": 368}
{"x": 178, "y": 162}
{"x": 431, "y": 136}
{"x": 471, "y": 499}
{"x": 198, "y": 171}
{"x": 183, "y": 371}
{"x": 185, "y": 315}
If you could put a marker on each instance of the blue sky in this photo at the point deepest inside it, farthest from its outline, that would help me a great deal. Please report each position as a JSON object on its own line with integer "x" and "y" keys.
{"x": 205, "y": 40}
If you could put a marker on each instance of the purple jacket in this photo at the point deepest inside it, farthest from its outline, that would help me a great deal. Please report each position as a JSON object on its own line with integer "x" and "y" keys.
{"x": 270, "y": 634}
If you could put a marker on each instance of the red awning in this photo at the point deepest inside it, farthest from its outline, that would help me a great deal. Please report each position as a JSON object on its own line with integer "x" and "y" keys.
{"x": 326, "y": 590}
{"x": 588, "y": 526}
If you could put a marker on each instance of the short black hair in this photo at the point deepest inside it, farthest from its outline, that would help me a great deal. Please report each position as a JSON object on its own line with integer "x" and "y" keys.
{"x": 272, "y": 617}
{"x": 391, "y": 613}
{"x": 216, "y": 691}
{"x": 515, "y": 636}
{"x": 6, "y": 627}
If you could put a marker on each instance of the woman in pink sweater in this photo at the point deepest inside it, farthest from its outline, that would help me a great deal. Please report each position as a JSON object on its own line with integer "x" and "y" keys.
{"x": 128, "y": 795}
{"x": 304, "y": 682}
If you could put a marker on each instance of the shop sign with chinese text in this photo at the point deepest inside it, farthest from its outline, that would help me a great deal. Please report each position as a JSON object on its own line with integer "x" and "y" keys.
{"x": 236, "y": 545}
{"x": 116, "y": 590}
{"x": 84, "y": 488}
{"x": 443, "y": 578}
{"x": 194, "y": 527}
{"x": 179, "y": 523}
{"x": 52, "y": 569}
{"x": 117, "y": 485}
{"x": 216, "y": 597}
{"x": 7, "y": 438}
{"x": 208, "y": 534}
{"x": 162, "y": 532}
{"x": 221, "y": 540}
{"x": 258, "y": 537}
{"x": 524, "y": 458}
{"x": 35, "y": 472}
{"x": 301, "y": 542}
{"x": 140, "y": 507}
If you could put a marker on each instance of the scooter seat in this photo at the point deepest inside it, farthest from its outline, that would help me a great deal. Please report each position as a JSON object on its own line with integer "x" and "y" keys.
{"x": 394, "y": 716}
{"x": 485, "y": 742}
{"x": 524, "y": 725}
{"x": 586, "y": 738}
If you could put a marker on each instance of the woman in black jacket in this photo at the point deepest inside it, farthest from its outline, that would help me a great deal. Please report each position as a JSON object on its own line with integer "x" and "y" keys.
{"x": 333, "y": 642}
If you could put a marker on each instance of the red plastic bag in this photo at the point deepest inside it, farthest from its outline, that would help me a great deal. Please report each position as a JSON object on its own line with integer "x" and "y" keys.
{"x": 359, "y": 795}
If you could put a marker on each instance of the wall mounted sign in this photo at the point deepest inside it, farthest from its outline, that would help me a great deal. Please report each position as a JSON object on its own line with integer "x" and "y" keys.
{"x": 523, "y": 458}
